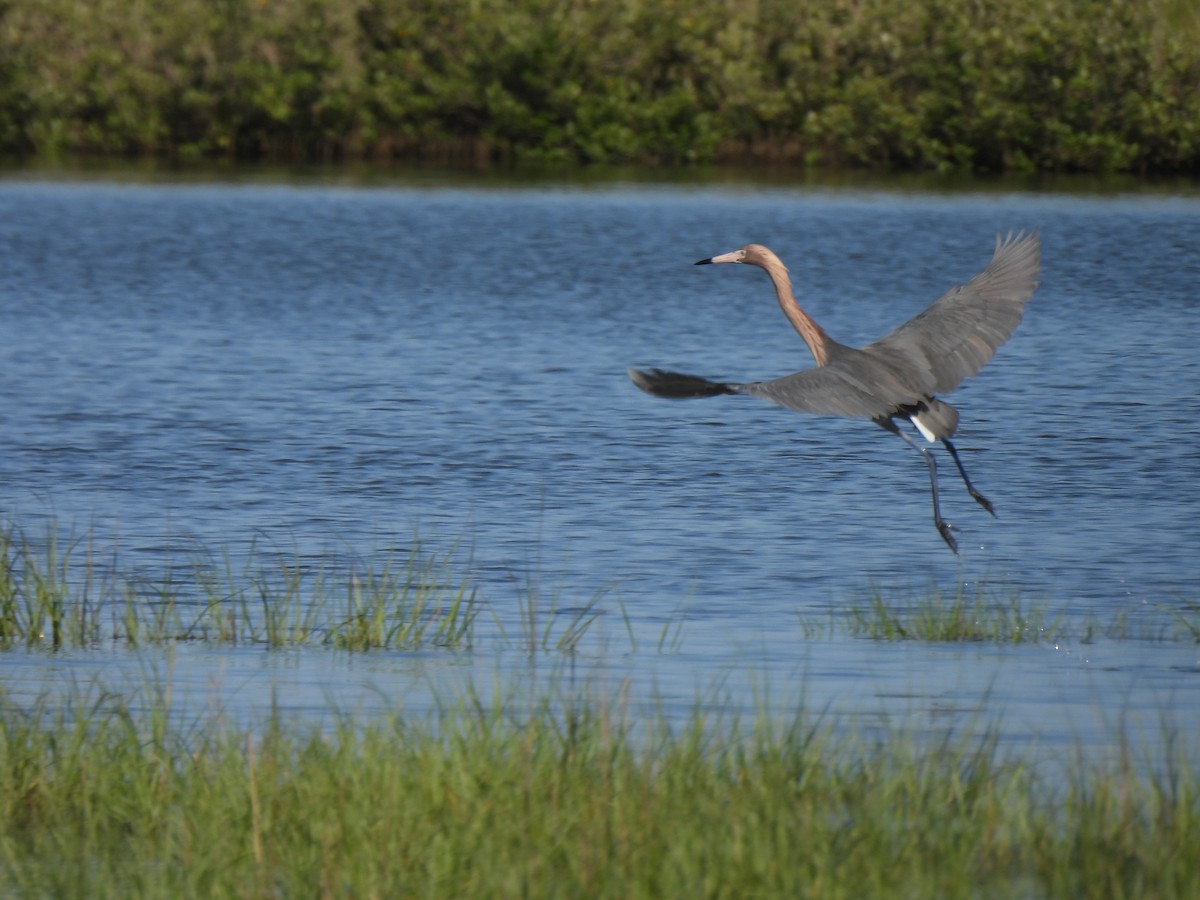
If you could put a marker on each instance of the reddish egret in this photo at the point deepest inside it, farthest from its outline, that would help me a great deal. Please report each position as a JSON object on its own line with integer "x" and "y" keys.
{"x": 897, "y": 376}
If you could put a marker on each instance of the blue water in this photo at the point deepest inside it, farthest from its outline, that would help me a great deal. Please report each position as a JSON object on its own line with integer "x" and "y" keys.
{"x": 330, "y": 371}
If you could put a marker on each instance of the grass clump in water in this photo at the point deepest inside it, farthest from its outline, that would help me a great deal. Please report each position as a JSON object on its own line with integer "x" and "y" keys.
{"x": 41, "y": 602}
{"x": 398, "y": 601}
{"x": 421, "y": 603}
{"x": 982, "y": 616}
{"x": 958, "y": 617}
{"x": 1154, "y": 622}
{"x": 563, "y": 800}
{"x": 60, "y": 593}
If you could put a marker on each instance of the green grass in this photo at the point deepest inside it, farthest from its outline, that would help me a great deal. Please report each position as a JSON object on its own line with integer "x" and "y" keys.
{"x": 551, "y": 790}
{"x": 565, "y": 801}
{"x": 546, "y": 624}
{"x": 57, "y": 592}
{"x": 49, "y": 598}
{"x": 986, "y": 615}
{"x": 961, "y": 617}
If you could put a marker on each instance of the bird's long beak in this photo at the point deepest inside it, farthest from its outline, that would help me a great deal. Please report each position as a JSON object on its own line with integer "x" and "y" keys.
{"x": 734, "y": 256}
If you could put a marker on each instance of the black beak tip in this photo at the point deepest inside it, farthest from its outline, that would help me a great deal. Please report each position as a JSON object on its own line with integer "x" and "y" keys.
{"x": 702, "y": 262}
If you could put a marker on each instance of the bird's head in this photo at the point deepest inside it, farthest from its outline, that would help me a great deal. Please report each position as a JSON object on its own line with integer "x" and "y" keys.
{"x": 751, "y": 254}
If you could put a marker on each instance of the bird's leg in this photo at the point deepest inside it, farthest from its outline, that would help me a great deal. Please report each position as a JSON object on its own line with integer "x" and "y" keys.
{"x": 944, "y": 528}
{"x": 979, "y": 498}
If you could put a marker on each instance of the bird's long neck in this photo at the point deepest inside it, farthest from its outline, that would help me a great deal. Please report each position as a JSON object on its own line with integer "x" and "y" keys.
{"x": 813, "y": 334}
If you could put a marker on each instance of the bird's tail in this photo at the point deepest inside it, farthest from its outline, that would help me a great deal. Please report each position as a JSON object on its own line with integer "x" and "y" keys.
{"x": 934, "y": 418}
{"x": 677, "y": 386}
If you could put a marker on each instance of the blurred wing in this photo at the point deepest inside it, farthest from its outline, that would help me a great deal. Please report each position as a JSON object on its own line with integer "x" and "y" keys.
{"x": 833, "y": 390}
{"x": 959, "y": 332}
{"x": 677, "y": 385}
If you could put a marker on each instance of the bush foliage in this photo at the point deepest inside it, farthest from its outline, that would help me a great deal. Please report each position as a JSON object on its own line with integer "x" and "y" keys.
{"x": 982, "y": 85}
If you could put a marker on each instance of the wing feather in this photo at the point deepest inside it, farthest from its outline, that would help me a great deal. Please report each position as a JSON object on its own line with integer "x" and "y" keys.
{"x": 851, "y": 384}
{"x": 959, "y": 332}
{"x": 838, "y": 389}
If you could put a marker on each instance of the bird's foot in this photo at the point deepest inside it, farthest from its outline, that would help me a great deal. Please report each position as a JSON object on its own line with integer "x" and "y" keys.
{"x": 983, "y": 501}
{"x": 945, "y": 529}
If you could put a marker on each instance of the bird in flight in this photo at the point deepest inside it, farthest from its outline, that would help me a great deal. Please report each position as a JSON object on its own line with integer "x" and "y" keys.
{"x": 898, "y": 376}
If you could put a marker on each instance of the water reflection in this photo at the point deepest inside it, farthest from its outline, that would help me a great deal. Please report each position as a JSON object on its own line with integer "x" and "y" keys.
{"x": 1097, "y": 706}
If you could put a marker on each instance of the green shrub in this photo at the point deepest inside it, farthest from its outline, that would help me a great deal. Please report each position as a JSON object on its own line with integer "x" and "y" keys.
{"x": 977, "y": 85}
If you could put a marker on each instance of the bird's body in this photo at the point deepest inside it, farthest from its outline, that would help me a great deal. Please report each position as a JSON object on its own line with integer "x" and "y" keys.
{"x": 899, "y": 375}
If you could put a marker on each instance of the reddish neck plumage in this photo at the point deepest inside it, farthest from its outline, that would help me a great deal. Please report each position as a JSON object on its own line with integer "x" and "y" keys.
{"x": 813, "y": 334}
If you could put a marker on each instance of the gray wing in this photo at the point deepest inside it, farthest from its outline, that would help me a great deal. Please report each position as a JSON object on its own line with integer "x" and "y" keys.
{"x": 959, "y": 332}
{"x": 852, "y": 384}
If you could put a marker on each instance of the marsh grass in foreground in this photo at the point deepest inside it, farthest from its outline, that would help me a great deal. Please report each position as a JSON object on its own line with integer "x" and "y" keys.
{"x": 565, "y": 800}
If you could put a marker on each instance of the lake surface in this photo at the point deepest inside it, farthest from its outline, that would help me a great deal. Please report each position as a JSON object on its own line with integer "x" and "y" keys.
{"x": 329, "y": 371}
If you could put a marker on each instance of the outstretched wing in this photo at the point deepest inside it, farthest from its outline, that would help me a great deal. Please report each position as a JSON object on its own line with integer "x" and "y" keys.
{"x": 839, "y": 389}
{"x": 678, "y": 386}
{"x": 959, "y": 332}
{"x": 827, "y": 391}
